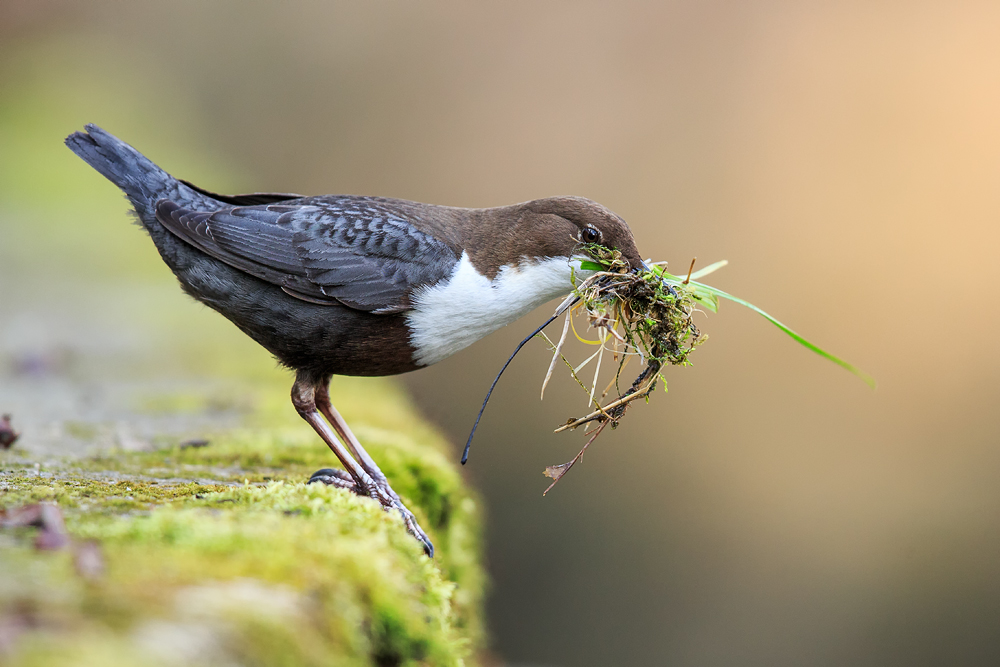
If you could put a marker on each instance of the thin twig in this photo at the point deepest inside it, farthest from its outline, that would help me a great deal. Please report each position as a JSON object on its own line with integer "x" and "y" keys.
{"x": 575, "y": 458}
{"x": 576, "y": 377}
{"x": 586, "y": 361}
{"x": 690, "y": 270}
{"x": 603, "y": 412}
{"x": 556, "y": 354}
{"x": 597, "y": 371}
{"x": 625, "y": 360}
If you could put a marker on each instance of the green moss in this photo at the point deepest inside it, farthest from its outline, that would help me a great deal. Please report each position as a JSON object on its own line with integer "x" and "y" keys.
{"x": 261, "y": 573}
{"x": 78, "y": 494}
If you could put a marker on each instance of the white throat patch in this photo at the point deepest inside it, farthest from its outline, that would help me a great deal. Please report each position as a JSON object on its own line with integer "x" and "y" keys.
{"x": 456, "y": 312}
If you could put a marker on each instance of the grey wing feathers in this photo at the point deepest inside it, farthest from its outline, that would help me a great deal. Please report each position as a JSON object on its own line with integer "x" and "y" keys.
{"x": 359, "y": 256}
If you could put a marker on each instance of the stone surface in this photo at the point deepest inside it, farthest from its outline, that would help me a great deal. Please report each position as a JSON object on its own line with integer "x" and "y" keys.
{"x": 219, "y": 554}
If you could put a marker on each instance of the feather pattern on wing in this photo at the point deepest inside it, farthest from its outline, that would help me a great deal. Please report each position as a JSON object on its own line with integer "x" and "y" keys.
{"x": 355, "y": 251}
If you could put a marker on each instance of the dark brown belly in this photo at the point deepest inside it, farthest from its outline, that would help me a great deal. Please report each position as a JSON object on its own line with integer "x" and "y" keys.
{"x": 319, "y": 340}
{"x": 331, "y": 340}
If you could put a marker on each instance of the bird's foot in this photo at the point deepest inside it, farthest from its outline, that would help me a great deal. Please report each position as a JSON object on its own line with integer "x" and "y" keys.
{"x": 333, "y": 477}
{"x": 380, "y": 491}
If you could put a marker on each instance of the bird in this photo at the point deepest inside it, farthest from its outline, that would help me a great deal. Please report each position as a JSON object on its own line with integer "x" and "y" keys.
{"x": 357, "y": 285}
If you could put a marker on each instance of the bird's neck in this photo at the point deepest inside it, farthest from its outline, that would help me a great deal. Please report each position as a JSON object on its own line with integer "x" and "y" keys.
{"x": 456, "y": 312}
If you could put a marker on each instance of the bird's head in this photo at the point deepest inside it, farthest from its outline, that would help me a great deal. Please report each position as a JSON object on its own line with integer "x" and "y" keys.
{"x": 558, "y": 227}
{"x": 588, "y": 225}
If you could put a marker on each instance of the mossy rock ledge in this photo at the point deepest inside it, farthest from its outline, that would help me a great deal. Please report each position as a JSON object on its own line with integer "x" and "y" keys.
{"x": 186, "y": 553}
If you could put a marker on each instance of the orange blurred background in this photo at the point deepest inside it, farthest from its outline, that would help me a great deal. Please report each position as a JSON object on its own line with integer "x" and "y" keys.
{"x": 843, "y": 156}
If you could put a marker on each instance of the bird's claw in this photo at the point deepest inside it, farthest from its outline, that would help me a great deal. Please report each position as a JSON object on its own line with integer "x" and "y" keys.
{"x": 333, "y": 477}
{"x": 380, "y": 491}
{"x": 413, "y": 528}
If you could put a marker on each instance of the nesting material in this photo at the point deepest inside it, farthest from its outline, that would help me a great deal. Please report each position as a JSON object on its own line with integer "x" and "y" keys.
{"x": 646, "y": 314}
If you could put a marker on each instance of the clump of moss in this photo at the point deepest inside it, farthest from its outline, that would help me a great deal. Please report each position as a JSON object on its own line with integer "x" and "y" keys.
{"x": 289, "y": 574}
{"x": 224, "y": 549}
{"x": 78, "y": 494}
{"x": 655, "y": 317}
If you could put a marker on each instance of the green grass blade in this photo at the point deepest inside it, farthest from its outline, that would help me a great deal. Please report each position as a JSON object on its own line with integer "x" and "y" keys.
{"x": 707, "y": 296}
{"x": 711, "y": 268}
{"x": 699, "y": 292}
{"x": 704, "y": 298}
{"x": 868, "y": 379}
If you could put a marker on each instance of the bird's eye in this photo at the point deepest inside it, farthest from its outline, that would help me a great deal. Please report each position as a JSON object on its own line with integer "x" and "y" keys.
{"x": 590, "y": 235}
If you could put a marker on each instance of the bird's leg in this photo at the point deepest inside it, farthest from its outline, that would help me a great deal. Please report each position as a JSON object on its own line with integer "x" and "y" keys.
{"x": 306, "y": 397}
{"x": 304, "y": 400}
{"x": 322, "y": 397}
{"x": 347, "y": 436}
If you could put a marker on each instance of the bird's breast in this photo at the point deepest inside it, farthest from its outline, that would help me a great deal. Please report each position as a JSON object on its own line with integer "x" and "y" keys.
{"x": 459, "y": 310}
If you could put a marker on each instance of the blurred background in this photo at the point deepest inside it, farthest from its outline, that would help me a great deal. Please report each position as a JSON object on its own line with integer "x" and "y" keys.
{"x": 843, "y": 156}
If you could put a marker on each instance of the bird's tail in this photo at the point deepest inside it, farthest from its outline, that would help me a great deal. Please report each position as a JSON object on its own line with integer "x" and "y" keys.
{"x": 141, "y": 180}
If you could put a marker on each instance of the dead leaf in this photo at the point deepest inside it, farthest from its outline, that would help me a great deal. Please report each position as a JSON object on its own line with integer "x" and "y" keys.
{"x": 8, "y": 436}
{"x": 555, "y": 472}
{"x": 45, "y": 516}
{"x": 19, "y": 517}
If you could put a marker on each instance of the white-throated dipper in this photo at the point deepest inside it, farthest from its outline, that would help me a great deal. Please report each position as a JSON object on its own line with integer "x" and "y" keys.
{"x": 351, "y": 285}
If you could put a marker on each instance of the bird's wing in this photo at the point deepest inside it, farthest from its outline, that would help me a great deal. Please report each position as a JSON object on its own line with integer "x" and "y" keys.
{"x": 352, "y": 251}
